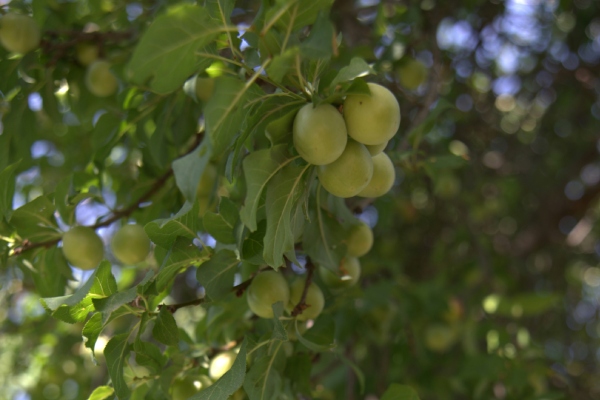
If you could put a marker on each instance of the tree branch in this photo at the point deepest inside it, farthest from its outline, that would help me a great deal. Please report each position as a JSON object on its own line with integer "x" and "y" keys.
{"x": 174, "y": 307}
{"x": 301, "y": 306}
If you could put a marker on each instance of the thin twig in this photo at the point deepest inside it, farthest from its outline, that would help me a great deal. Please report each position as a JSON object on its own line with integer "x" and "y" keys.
{"x": 301, "y": 306}
{"x": 174, "y": 307}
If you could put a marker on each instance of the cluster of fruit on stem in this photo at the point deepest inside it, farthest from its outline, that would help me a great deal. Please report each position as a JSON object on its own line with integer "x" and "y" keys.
{"x": 348, "y": 149}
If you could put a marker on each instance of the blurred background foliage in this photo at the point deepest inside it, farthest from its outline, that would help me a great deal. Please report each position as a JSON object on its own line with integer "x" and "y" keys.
{"x": 484, "y": 281}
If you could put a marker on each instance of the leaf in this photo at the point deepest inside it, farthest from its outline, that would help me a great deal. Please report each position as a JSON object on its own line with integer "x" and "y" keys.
{"x": 294, "y": 14}
{"x": 101, "y": 393}
{"x": 323, "y": 239}
{"x": 7, "y": 190}
{"x": 400, "y": 392}
{"x": 216, "y": 275}
{"x": 181, "y": 255}
{"x": 297, "y": 370}
{"x": 189, "y": 169}
{"x": 279, "y": 332}
{"x": 101, "y": 278}
{"x": 164, "y": 232}
{"x": 105, "y": 135}
{"x": 282, "y": 194}
{"x": 225, "y": 112}
{"x": 358, "y": 67}
{"x": 149, "y": 355}
{"x": 259, "y": 167}
{"x": 320, "y": 337}
{"x": 253, "y": 247}
{"x": 231, "y": 381}
{"x": 165, "y": 328}
{"x": 528, "y": 304}
{"x": 66, "y": 201}
{"x": 96, "y": 324}
{"x": 263, "y": 380}
{"x": 116, "y": 300}
{"x": 282, "y": 64}
{"x": 35, "y": 220}
{"x": 221, "y": 225}
{"x": 51, "y": 272}
{"x": 319, "y": 43}
{"x": 116, "y": 353}
{"x": 166, "y": 53}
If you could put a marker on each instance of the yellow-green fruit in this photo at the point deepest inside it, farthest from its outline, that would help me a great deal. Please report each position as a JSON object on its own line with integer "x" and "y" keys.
{"x": 19, "y": 33}
{"x": 319, "y": 133}
{"x": 221, "y": 364}
{"x": 184, "y": 388}
{"x": 86, "y": 53}
{"x": 99, "y": 79}
{"x": 82, "y": 247}
{"x": 350, "y": 173}
{"x": 130, "y": 245}
{"x": 359, "y": 240}
{"x": 373, "y": 119}
{"x": 375, "y": 149}
{"x": 348, "y": 274}
{"x": 383, "y": 178}
{"x": 205, "y": 87}
{"x": 314, "y": 300}
{"x": 440, "y": 337}
{"x": 412, "y": 74}
{"x": 267, "y": 288}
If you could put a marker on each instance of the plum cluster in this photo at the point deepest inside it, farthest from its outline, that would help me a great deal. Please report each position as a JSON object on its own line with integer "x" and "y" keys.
{"x": 348, "y": 149}
{"x": 83, "y": 248}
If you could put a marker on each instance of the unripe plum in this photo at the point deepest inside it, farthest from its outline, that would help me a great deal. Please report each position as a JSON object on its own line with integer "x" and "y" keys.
{"x": 19, "y": 33}
{"x": 82, "y": 247}
{"x": 412, "y": 74}
{"x": 267, "y": 288}
{"x": 383, "y": 178}
{"x": 130, "y": 245}
{"x": 314, "y": 300}
{"x": 86, "y": 53}
{"x": 99, "y": 79}
{"x": 350, "y": 173}
{"x": 359, "y": 240}
{"x": 319, "y": 133}
{"x": 184, "y": 388}
{"x": 375, "y": 149}
{"x": 221, "y": 364}
{"x": 205, "y": 87}
{"x": 373, "y": 119}
{"x": 348, "y": 276}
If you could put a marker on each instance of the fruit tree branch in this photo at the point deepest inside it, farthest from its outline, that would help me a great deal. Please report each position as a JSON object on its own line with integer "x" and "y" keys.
{"x": 301, "y": 306}
{"x": 174, "y": 307}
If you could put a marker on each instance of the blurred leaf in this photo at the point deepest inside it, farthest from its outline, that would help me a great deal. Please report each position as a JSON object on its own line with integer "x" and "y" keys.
{"x": 7, "y": 190}
{"x": 263, "y": 380}
{"x": 400, "y": 392}
{"x": 318, "y": 338}
{"x": 176, "y": 35}
{"x": 528, "y": 304}
{"x": 221, "y": 225}
{"x": 35, "y": 221}
{"x": 319, "y": 43}
{"x": 101, "y": 393}
{"x": 182, "y": 254}
{"x": 149, "y": 355}
{"x": 323, "y": 239}
{"x": 164, "y": 232}
{"x": 294, "y": 14}
{"x": 216, "y": 274}
{"x": 165, "y": 328}
{"x": 282, "y": 64}
{"x": 253, "y": 246}
{"x": 357, "y": 67}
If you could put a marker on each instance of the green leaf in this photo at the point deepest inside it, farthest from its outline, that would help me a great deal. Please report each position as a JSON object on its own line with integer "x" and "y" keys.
{"x": 253, "y": 247}
{"x": 165, "y": 328}
{"x": 116, "y": 353}
{"x": 282, "y": 194}
{"x": 221, "y": 226}
{"x": 7, "y": 190}
{"x": 357, "y": 67}
{"x": 226, "y": 110}
{"x": 51, "y": 272}
{"x": 297, "y": 370}
{"x": 166, "y": 53}
{"x": 164, "y": 232}
{"x": 295, "y": 14}
{"x": 182, "y": 255}
{"x": 216, "y": 275}
{"x": 66, "y": 201}
{"x": 116, "y": 300}
{"x": 282, "y": 64}
{"x": 279, "y": 332}
{"x": 101, "y": 393}
{"x": 400, "y": 392}
{"x": 35, "y": 220}
{"x": 528, "y": 304}
{"x": 320, "y": 337}
{"x": 263, "y": 380}
{"x": 105, "y": 135}
{"x": 323, "y": 238}
{"x": 100, "y": 282}
{"x": 149, "y": 355}
{"x": 231, "y": 381}
{"x": 319, "y": 44}
{"x": 189, "y": 169}
{"x": 259, "y": 167}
